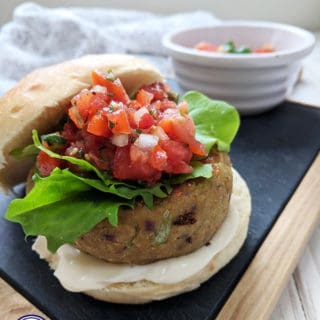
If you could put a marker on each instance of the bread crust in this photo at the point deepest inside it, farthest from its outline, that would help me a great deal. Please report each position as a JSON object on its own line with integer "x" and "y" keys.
{"x": 38, "y": 102}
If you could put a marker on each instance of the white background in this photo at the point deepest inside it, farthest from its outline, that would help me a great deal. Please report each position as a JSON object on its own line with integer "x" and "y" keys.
{"x": 304, "y": 13}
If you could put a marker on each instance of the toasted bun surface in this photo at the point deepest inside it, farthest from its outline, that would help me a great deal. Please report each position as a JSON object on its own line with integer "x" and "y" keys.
{"x": 38, "y": 101}
{"x": 143, "y": 291}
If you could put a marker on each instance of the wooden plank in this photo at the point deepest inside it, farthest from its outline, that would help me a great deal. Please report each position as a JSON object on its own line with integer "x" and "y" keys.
{"x": 260, "y": 287}
{"x": 289, "y": 306}
{"x": 13, "y": 305}
{"x": 307, "y": 278}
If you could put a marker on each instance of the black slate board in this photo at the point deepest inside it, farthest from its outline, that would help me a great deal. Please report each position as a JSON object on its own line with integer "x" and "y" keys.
{"x": 272, "y": 151}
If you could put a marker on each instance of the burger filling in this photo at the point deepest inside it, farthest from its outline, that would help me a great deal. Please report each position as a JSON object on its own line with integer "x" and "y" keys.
{"x": 113, "y": 154}
{"x": 136, "y": 139}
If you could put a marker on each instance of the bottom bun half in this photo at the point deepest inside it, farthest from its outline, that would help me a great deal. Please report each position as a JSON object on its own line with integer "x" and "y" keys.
{"x": 79, "y": 272}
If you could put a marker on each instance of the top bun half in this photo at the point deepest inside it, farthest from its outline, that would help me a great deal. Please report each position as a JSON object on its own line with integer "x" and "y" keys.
{"x": 38, "y": 102}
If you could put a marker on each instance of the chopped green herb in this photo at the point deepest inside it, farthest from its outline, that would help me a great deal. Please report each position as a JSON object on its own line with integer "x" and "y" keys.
{"x": 242, "y": 50}
{"x": 229, "y": 47}
{"x": 138, "y": 130}
{"x": 80, "y": 153}
{"x": 165, "y": 228}
{"x": 110, "y": 75}
{"x": 113, "y": 106}
{"x": 53, "y": 139}
{"x": 111, "y": 124}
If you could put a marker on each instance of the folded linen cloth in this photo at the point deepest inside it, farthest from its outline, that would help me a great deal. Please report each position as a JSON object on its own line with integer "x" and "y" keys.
{"x": 39, "y": 36}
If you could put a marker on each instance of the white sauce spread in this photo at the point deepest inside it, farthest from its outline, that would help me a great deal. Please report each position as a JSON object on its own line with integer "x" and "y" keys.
{"x": 78, "y": 271}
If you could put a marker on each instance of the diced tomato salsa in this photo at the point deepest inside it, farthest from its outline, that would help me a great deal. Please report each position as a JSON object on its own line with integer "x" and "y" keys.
{"x": 230, "y": 47}
{"x": 133, "y": 139}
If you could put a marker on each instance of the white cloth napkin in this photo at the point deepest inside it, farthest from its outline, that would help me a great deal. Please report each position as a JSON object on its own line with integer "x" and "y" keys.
{"x": 39, "y": 36}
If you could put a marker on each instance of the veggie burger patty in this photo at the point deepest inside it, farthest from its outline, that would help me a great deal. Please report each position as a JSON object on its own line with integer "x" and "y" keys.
{"x": 179, "y": 224}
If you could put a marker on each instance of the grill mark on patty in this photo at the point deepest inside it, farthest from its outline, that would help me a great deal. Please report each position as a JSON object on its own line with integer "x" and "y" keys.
{"x": 188, "y": 217}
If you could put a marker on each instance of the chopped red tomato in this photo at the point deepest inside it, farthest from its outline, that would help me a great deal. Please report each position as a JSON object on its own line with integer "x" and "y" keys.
{"x": 182, "y": 129}
{"x": 144, "y": 97}
{"x": 82, "y": 103}
{"x": 179, "y": 156}
{"x": 134, "y": 104}
{"x": 89, "y": 102}
{"x": 115, "y": 88}
{"x": 158, "y": 89}
{"x": 75, "y": 116}
{"x": 98, "y": 125}
{"x": 118, "y": 122}
{"x": 158, "y": 158}
{"x": 132, "y": 139}
{"x": 130, "y": 114}
{"x": 206, "y": 46}
{"x": 138, "y": 170}
{"x": 138, "y": 155}
{"x": 146, "y": 121}
{"x": 46, "y": 164}
{"x": 267, "y": 48}
{"x": 69, "y": 132}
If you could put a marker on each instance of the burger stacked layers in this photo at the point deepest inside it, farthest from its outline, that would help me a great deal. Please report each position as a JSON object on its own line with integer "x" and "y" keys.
{"x": 124, "y": 173}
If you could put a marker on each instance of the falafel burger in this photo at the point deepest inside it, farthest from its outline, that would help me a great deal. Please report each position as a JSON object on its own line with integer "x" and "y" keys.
{"x": 130, "y": 190}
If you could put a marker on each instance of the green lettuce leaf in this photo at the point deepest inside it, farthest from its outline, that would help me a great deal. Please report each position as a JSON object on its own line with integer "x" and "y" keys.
{"x": 83, "y": 164}
{"x": 126, "y": 191}
{"x": 216, "y": 122}
{"x": 62, "y": 207}
{"x": 200, "y": 169}
{"x": 104, "y": 183}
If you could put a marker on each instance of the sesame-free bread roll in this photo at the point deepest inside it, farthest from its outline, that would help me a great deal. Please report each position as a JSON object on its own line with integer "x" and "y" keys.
{"x": 38, "y": 102}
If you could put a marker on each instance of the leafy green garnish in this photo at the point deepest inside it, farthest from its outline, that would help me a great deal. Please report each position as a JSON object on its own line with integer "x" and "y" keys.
{"x": 62, "y": 208}
{"x": 242, "y": 50}
{"x": 229, "y": 47}
{"x": 53, "y": 139}
{"x": 64, "y": 205}
{"x": 216, "y": 121}
{"x": 200, "y": 170}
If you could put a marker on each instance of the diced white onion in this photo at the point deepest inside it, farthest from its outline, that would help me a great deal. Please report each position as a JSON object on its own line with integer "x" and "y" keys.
{"x": 139, "y": 113}
{"x": 146, "y": 141}
{"x": 99, "y": 89}
{"x": 120, "y": 140}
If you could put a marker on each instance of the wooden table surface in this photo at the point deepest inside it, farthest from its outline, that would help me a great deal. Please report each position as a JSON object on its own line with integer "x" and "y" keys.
{"x": 301, "y": 298}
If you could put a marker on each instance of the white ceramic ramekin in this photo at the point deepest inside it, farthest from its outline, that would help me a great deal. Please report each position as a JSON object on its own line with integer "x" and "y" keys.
{"x": 251, "y": 82}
